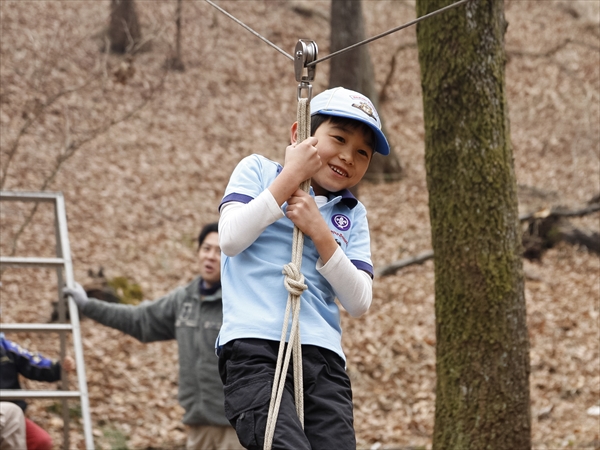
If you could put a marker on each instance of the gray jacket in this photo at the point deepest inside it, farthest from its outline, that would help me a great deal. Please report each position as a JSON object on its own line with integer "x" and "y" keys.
{"x": 193, "y": 320}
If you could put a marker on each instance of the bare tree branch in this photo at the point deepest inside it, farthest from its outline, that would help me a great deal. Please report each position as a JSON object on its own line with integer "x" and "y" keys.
{"x": 395, "y": 266}
{"x": 71, "y": 147}
{"x": 390, "y": 74}
{"x": 554, "y": 50}
{"x": 32, "y": 118}
{"x": 50, "y": 54}
{"x": 17, "y": 235}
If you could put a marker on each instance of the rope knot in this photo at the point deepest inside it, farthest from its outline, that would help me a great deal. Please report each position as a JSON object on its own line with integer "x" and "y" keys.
{"x": 294, "y": 280}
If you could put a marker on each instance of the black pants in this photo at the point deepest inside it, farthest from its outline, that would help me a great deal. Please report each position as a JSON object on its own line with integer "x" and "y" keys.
{"x": 247, "y": 368}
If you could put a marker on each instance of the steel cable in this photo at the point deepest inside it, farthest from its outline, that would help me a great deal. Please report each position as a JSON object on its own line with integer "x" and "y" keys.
{"x": 358, "y": 44}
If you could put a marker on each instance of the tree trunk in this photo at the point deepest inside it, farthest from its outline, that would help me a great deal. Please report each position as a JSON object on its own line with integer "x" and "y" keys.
{"x": 175, "y": 62}
{"x": 354, "y": 70}
{"x": 124, "y": 28}
{"x": 482, "y": 391}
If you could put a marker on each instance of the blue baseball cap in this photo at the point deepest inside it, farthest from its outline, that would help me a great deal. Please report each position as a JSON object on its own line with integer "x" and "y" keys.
{"x": 343, "y": 102}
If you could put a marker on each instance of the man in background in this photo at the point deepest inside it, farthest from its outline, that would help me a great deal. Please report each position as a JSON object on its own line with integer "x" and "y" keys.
{"x": 192, "y": 315}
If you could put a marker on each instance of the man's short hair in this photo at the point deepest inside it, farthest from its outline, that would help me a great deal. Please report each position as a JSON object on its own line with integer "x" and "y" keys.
{"x": 206, "y": 229}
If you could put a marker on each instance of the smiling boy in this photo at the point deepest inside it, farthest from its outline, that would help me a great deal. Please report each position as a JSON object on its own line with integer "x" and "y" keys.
{"x": 261, "y": 205}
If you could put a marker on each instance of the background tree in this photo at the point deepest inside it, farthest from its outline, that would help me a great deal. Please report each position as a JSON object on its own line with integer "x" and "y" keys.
{"x": 482, "y": 392}
{"x": 354, "y": 70}
{"x": 174, "y": 61}
{"x": 124, "y": 28}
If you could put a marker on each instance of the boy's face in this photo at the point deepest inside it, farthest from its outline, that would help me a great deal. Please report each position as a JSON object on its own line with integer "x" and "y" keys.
{"x": 345, "y": 155}
{"x": 209, "y": 259}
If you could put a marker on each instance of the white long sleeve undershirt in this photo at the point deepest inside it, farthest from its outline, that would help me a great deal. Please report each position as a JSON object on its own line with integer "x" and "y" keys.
{"x": 240, "y": 224}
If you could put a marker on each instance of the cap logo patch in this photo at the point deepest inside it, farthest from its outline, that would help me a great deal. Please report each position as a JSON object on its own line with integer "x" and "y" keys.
{"x": 365, "y": 108}
{"x": 341, "y": 222}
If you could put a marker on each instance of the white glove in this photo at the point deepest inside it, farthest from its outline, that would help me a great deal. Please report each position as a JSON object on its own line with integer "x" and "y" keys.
{"x": 78, "y": 294}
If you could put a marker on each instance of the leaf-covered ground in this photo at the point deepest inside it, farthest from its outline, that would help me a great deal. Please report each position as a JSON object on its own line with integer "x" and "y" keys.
{"x": 138, "y": 189}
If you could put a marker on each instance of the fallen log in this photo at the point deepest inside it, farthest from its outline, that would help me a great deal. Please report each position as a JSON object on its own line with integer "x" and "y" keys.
{"x": 546, "y": 228}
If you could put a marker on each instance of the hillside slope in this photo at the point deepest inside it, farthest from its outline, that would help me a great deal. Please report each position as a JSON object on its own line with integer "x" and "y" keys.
{"x": 138, "y": 191}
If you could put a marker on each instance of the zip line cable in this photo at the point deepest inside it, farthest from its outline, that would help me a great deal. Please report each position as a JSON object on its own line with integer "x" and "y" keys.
{"x": 393, "y": 30}
{"x": 366, "y": 41}
{"x": 239, "y": 22}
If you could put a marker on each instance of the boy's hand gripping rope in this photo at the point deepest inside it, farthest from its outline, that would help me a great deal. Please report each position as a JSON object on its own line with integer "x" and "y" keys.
{"x": 294, "y": 280}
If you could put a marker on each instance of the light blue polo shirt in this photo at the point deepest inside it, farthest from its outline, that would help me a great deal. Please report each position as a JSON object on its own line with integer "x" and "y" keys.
{"x": 254, "y": 296}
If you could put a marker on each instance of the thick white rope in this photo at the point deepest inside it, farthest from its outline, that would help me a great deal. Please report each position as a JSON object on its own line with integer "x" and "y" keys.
{"x": 294, "y": 283}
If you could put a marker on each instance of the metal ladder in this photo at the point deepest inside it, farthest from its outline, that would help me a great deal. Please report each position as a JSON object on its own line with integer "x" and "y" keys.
{"x": 64, "y": 272}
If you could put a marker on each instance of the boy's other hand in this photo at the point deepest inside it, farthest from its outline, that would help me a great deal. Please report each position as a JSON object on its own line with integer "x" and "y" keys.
{"x": 68, "y": 364}
{"x": 303, "y": 211}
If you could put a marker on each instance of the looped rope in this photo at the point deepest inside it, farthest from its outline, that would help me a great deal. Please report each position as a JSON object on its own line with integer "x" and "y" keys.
{"x": 294, "y": 280}
{"x": 294, "y": 283}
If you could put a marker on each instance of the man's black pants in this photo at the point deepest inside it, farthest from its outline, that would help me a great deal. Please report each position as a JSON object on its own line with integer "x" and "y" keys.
{"x": 247, "y": 368}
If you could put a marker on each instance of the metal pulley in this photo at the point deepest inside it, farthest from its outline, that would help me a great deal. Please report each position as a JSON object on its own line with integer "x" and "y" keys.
{"x": 305, "y": 52}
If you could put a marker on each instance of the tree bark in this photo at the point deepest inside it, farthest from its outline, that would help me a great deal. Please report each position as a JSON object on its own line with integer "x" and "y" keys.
{"x": 482, "y": 390}
{"x": 354, "y": 70}
{"x": 124, "y": 27}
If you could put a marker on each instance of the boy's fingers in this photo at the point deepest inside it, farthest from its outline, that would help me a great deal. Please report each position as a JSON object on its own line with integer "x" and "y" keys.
{"x": 298, "y": 193}
{"x": 312, "y": 141}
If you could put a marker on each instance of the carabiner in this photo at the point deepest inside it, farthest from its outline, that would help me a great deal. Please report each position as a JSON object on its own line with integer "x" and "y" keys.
{"x": 305, "y": 52}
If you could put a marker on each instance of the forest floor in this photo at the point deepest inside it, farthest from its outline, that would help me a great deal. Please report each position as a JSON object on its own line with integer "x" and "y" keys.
{"x": 137, "y": 190}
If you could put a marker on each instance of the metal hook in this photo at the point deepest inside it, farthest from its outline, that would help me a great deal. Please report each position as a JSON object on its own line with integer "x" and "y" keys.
{"x": 305, "y": 52}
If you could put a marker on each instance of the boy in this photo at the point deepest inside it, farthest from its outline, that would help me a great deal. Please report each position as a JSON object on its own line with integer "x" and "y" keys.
{"x": 261, "y": 205}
